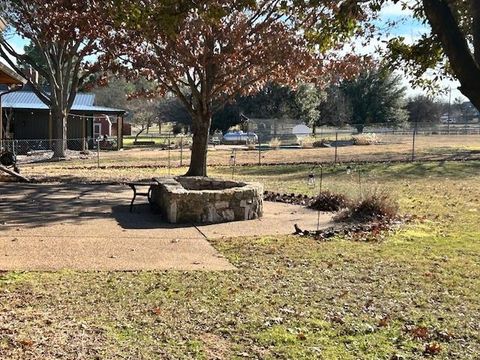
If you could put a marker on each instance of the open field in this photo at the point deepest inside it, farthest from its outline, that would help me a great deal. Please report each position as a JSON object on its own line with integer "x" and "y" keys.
{"x": 412, "y": 295}
{"x": 146, "y": 163}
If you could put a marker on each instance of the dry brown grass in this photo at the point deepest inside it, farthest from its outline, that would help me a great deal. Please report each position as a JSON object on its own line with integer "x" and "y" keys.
{"x": 146, "y": 163}
{"x": 412, "y": 295}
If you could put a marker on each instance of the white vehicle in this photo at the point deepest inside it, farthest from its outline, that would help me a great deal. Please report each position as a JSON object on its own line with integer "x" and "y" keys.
{"x": 240, "y": 137}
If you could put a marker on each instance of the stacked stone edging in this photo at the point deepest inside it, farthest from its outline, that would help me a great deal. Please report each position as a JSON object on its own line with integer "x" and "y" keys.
{"x": 207, "y": 201}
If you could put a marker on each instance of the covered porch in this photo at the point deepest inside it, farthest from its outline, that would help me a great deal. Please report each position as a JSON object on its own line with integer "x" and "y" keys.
{"x": 11, "y": 81}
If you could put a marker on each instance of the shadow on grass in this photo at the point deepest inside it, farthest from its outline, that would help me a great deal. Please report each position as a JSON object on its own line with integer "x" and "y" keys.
{"x": 420, "y": 170}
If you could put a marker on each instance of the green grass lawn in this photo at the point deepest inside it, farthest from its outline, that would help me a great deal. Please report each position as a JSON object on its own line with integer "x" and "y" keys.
{"x": 291, "y": 298}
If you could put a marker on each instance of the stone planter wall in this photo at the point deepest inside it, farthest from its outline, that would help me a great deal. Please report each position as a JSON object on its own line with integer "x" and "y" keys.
{"x": 200, "y": 200}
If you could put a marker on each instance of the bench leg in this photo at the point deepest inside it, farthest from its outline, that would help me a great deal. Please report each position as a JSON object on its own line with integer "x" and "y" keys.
{"x": 150, "y": 199}
{"x": 134, "y": 197}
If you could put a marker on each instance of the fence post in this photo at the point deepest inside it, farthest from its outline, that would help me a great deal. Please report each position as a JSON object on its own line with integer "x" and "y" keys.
{"x": 169, "y": 154}
{"x": 259, "y": 151}
{"x": 181, "y": 151}
{"x": 413, "y": 141}
{"x": 98, "y": 152}
{"x": 336, "y": 147}
{"x": 233, "y": 159}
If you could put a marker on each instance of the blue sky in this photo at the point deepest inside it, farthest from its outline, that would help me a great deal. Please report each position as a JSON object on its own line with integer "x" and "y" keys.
{"x": 411, "y": 29}
{"x": 407, "y": 26}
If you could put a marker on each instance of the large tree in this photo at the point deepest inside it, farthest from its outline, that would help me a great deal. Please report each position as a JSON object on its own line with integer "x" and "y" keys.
{"x": 424, "y": 109}
{"x": 335, "y": 108}
{"x": 63, "y": 50}
{"x": 451, "y": 48}
{"x": 309, "y": 99}
{"x": 375, "y": 97}
{"x": 208, "y": 52}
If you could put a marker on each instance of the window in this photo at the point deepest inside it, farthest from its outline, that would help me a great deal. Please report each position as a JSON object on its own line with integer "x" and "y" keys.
{"x": 97, "y": 130}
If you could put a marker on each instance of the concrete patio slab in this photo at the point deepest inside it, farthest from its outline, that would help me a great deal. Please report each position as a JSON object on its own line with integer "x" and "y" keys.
{"x": 49, "y": 227}
{"x": 278, "y": 219}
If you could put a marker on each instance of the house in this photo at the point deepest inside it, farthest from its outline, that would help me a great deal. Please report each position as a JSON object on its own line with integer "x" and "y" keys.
{"x": 27, "y": 118}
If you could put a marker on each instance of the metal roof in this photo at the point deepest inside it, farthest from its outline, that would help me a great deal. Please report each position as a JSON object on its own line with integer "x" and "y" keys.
{"x": 98, "y": 109}
{"x": 28, "y": 100}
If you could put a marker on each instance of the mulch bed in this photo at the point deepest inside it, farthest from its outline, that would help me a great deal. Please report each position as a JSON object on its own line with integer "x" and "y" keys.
{"x": 369, "y": 232}
{"x": 375, "y": 230}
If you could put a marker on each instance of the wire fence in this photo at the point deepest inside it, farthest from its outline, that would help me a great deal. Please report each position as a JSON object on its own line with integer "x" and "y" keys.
{"x": 327, "y": 145}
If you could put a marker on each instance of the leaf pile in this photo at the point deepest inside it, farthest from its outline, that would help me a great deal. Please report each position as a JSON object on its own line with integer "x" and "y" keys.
{"x": 329, "y": 201}
{"x": 375, "y": 207}
{"x": 293, "y": 199}
{"x": 367, "y": 232}
{"x": 325, "y": 201}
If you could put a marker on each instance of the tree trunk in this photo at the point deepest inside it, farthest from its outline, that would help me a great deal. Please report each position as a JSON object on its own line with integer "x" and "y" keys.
{"x": 455, "y": 46}
{"x": 138, "y": 134}
{"x": 59, "y": 118}
{"x": 198, "y": 162}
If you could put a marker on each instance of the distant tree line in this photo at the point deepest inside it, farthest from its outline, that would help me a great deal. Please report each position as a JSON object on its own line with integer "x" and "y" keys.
{"x": 376, "y": 96}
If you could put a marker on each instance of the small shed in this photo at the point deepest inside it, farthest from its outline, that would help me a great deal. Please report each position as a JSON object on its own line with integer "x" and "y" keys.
{"x": 301, "y": 130}
{"x": 30, "y": 120}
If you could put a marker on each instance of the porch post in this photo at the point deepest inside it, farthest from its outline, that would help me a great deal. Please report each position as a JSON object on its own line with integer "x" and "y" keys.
{"x": 119, "y": 132}
{"x": 1, "y": 124}
{"x": 50, "y": 128}
{"x": 84, "y": 130}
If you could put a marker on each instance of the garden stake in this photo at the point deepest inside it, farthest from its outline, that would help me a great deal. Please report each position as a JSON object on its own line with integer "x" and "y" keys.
{"x": 320, "y": 194}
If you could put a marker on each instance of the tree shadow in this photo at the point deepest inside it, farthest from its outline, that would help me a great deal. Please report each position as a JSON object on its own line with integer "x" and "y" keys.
{"x": 39, "y": 205}
{"x": 143, "y": 217}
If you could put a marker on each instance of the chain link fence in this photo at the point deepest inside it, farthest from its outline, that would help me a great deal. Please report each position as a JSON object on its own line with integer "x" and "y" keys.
{"x": 374, "y": 144}
{"x": 422, "y": 142}
{"x": 36, "y": 151}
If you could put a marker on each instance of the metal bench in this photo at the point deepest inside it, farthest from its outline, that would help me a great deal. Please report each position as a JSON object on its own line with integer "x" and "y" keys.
{"x": 135, "y": 185}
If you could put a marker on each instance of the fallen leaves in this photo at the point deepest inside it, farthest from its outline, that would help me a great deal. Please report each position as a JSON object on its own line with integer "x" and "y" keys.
{"x": 420, "y": 332}
{"x": 432, "y": 348}
{"x": 368, "y": 232}
{"x": 156, "y": 311}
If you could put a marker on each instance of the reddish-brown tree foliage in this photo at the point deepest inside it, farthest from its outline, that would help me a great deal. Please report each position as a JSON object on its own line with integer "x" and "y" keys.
{"x": 207, "y": 52}
{"x": 64, "y": 33}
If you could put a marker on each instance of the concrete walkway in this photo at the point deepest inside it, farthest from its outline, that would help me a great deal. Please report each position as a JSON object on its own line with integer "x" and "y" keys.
{"x": 89, "y": 227}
